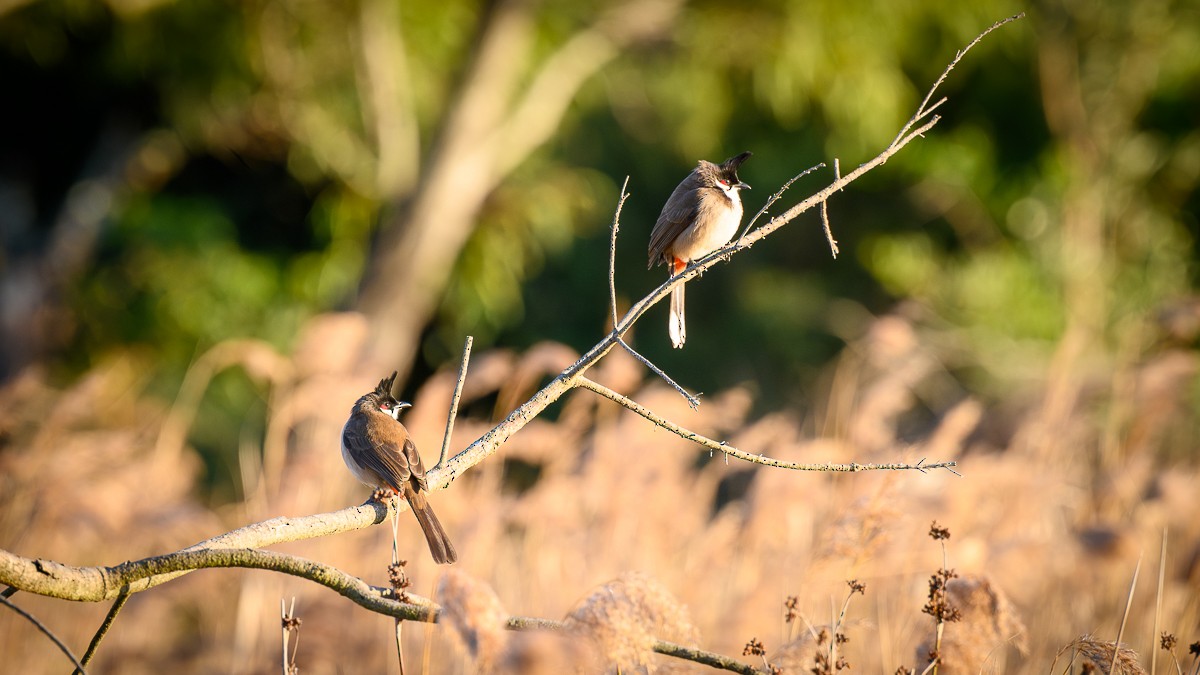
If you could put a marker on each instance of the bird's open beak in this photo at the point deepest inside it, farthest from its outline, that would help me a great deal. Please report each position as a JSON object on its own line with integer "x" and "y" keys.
{"x": 742, "y": 186}
{"x": 402, "y": 405}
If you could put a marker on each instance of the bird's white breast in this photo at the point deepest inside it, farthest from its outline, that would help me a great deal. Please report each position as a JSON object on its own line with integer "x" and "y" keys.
{"x": 713, "y": 228}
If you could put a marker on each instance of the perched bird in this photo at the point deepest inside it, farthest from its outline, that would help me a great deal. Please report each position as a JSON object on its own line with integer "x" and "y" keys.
{"x": 702, "y": 215}
{"x": 379, "y": 452}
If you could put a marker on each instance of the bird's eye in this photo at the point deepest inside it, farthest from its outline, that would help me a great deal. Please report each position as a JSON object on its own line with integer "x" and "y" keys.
{"x": 384, "y": 406}
{"x": 724, "y": 182}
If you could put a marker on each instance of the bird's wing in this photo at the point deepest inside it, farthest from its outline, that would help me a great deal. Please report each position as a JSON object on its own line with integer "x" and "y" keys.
{"x": 416, "y": 467}
{"x": 678, "y": 213}
{"x": 387, "y": 460}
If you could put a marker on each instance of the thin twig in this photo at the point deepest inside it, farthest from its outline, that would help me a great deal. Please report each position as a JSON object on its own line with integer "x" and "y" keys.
{"x": 612, "y": 251}
{"x": 109, "y": 618}
{"x": 922, "y": 110}
{"x": 40, "y": 626}
{"x": 693, "y": 401}
{"x": 833, "y": 245}
{"x": 526, "y": 623}
{"x": 775, "y": 197}
{"x": 458, "y": 387}
{"x": 721, "y": 446}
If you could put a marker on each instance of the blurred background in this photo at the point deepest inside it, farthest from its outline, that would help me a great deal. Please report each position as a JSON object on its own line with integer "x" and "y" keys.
{"x": 222, "y": 222}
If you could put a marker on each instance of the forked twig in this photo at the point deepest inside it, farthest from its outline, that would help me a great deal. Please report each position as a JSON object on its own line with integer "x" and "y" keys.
{"x": 693, "y": 401}
{"x": 924, "y": 109}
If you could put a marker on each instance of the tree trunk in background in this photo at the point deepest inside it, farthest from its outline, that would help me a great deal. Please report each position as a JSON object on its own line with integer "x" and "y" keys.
{"x": 489, "y": 129}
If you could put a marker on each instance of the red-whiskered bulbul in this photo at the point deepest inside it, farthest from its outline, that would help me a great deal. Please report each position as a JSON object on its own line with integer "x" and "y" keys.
{"x": 702, "y": 215}
{"x": 379, "y": 452}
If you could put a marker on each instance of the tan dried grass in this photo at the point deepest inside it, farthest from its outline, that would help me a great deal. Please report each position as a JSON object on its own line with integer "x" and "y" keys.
{"x": 614, "y": 494}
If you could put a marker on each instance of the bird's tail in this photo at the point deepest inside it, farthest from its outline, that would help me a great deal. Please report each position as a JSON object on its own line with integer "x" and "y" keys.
{"x": 676, "y": 326}
{"x": 439, "y": 544}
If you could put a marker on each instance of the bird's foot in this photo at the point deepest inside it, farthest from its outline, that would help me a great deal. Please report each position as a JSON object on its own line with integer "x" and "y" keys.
{"x": 383, "y": 494}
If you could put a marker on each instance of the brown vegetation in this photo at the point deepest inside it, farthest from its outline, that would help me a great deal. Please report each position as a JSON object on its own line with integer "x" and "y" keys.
{"x": 570, "y": 503}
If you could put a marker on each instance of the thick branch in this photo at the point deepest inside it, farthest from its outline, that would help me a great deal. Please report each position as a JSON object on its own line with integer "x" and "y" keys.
{"x": 92, "y": 584}
{"x": 89, "y": 584}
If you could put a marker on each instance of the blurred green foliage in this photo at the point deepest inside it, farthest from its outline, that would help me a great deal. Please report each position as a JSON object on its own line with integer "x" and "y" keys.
{"x": 265, "y": 212}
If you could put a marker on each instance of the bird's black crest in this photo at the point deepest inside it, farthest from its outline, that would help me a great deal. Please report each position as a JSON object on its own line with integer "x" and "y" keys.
{"x": 730, "y": 166}
{"x": 385, "y": 386}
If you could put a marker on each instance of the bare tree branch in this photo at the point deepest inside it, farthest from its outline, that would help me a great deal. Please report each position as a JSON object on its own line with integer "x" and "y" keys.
{"x": 612, "y": 250}
{"x": 833, "y": 245}
{"x": 454, "y": 400}
{"x": 109, "y": 618}
{"x": 46, "y": 631}
{"x": 723, "y": 447}
{"x": 925, "y": 109}
{"x": 775, "y": 197}
{"x": 693, "y": 400}
{"x": 358, "y": 591}
{"x": 700, "y": 656}
{"x": 612, "y": 298}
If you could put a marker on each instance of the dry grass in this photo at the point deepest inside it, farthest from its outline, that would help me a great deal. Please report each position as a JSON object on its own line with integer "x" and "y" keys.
{"x": 1106, "y": 658}
{"x": 597, "y": 493}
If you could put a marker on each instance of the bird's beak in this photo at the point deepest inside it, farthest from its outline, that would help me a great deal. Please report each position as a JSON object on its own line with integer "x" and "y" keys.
{"x": 402, "y": 405}
{"x": 742, "y": 186}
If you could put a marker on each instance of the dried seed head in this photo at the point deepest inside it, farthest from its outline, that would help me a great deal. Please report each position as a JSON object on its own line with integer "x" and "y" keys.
{"x": 1099, "y": 655}
{"x": 984, "y": 622}
{"x": 624, "y": 618}
{"x": 475, "y": 614}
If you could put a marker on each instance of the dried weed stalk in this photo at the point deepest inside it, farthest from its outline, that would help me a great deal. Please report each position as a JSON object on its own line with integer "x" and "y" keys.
{"x": 939, "y": 605}
{"x": 818, "y": 650}
{"x": 291, "y": 635}
{"x": 986, "y": 622}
